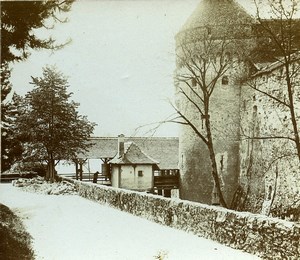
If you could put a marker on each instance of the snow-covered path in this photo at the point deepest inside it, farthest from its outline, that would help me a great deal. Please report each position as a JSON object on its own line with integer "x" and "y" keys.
{"x": 71, "y": 227}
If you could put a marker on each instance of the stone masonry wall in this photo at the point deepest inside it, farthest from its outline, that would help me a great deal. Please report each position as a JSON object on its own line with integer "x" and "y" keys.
{"x": 266, "y": 237}
{"x": 270, "y": 170}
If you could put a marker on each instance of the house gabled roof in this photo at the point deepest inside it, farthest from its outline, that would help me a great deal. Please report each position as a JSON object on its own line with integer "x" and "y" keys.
{"x": 164, "y": 150}
{"x": 133, "y": 155}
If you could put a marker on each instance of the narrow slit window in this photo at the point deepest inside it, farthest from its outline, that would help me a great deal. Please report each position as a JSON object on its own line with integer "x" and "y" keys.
{"x": 227, "y": 57}
{"x": 225, "y": 80}
{"x": 194, "y": 82}
{"x": 270, "y": 193}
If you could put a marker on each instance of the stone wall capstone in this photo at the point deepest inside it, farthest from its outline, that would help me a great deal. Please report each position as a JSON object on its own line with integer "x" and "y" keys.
{"x": 266, "y": 237}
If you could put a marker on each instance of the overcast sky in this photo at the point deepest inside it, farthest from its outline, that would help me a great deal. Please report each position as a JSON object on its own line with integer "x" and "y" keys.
{"x": 120, "y": 63}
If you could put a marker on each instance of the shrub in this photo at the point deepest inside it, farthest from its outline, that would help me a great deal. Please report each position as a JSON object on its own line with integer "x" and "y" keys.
{"x": 15, "y": 242}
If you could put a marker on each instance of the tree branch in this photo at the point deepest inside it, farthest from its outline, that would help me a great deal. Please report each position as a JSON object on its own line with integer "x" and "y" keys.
{"x": 188, "y": 122}
{"x": 192, "y": 101}
{"x": 268, "y": 95}
{"x": 269, "y": 138}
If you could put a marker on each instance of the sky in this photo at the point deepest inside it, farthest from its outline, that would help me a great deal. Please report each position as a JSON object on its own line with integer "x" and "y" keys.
{"x": 119, "y": 65}
{"x": 83, "y": 229}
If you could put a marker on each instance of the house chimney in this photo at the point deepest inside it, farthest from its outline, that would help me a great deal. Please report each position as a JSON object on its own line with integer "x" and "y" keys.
{"x": 120, "y": 145}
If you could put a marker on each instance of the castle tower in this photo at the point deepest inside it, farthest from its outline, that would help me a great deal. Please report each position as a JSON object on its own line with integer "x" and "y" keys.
{"x": 228, "y": 25}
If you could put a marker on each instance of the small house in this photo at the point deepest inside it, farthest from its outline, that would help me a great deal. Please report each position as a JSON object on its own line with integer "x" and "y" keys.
{"x": 132, "y": 168}
{"x": 135, "y": 163}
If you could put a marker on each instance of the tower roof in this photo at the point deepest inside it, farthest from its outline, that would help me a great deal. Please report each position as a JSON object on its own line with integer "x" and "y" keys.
{"x": 217, "y": 13}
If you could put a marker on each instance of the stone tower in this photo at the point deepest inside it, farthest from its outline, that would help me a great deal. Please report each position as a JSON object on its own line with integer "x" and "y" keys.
{"x": 219, "y": 20}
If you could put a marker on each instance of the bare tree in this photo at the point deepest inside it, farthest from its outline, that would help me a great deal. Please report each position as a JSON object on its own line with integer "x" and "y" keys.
{"x": 271, "y": 132}
{"x": 279, "y": 41}
{"x": 202, "y": 61}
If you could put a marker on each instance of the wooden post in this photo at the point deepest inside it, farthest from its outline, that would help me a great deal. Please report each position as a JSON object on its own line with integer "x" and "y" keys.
{"x": 167, "y": 193}
{"x": 76, "y": 168}
{"x": 105, "y": 170}
{"x": 80, "y": 170}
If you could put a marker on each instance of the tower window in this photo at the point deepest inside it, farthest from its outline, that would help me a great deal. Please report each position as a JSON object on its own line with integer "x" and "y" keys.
{"x": 140, "y": 173}
{"x": 194, "y": 82}
{"x": 227, "y": 57}
{"x": 281, "y": 71}
{"x": 254, "y": 111}
{"x": 225, "y": 80}
{"x": 270, "y": 193}
{"x": 208, "y": 30}
{"x": 218, "y": 58}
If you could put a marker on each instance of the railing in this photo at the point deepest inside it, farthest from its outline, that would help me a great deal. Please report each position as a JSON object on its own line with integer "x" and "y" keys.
{"x": 166, "y": 181}
{"x": 86, "y": 177}
{"x": 10, "y": 177}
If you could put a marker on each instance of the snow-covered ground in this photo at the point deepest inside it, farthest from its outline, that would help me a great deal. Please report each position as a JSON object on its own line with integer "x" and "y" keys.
{"x": 71, "y": 227}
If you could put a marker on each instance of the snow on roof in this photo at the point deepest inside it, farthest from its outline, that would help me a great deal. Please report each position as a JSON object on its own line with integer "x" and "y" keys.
{"x": 164, "y": 150}
{"x": 269, "y": 67}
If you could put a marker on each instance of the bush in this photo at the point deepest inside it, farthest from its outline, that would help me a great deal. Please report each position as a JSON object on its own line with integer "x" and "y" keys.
{"x": 39, "y": 168}
{"x": 15, "y": 242}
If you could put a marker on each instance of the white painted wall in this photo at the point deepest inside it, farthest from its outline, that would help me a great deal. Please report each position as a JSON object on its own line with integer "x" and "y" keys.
{"x": 115, "y": 176}
{"x": 131, "y": 180}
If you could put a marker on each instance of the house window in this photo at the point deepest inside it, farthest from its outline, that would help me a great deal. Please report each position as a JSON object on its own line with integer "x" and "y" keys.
{"x": 140, "y": 173}
{"x": 225, "y": 80}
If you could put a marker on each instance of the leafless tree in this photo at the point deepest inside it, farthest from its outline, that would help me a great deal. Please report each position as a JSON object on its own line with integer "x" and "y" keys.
{"x": 201, "y": 62}
{"x": 272, "y": 136}
{"x": 279, "y": 41}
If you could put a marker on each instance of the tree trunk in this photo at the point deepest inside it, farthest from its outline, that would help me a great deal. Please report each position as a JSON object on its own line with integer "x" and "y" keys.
{"x": 76, "y": 169}
{"x": 275, "y": 190}
{"x": 50, "y": 175}
{"x": 47, "y": 177}
{"x": 292, "y": 110}
{"x": 80, "y": 170}
{"x": 213, "y": 162}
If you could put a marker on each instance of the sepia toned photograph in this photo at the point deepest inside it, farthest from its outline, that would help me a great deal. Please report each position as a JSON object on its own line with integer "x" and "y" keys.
{"x": 150, "y": 129}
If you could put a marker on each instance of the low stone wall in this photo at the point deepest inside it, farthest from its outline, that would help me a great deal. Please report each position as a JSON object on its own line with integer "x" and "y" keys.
{"x": 268, "y": 238}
